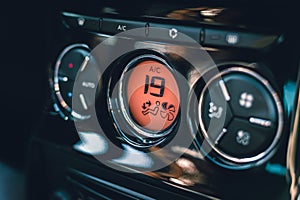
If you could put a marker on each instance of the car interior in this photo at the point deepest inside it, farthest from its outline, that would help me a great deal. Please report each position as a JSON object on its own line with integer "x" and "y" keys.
{"x": 157, "y": 99}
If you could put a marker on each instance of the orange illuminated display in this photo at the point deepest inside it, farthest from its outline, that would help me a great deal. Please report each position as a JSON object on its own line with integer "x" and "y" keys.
{"x": 153, "y": 95}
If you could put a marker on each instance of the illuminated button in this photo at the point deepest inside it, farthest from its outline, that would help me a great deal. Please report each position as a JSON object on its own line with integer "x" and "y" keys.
{"x": 152, "y": 95}
{"x": 173, "y": 33}
{"x": 232, "y": 38}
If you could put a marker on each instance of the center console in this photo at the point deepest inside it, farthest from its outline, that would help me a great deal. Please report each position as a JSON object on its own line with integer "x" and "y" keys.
{"x": 166, "y": 101}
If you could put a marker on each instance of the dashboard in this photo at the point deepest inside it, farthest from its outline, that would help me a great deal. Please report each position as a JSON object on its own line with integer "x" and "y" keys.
{"x": 155, "y": 100}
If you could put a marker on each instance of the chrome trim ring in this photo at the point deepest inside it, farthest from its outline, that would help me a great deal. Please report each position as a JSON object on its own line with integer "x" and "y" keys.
{"x": 139, "y": 130}
{"x": 65, "y": 108}
{"x": 263, "y": 156}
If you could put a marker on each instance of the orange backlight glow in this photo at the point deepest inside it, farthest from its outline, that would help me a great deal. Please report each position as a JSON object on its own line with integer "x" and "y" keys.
{"x": 153, "y": 95}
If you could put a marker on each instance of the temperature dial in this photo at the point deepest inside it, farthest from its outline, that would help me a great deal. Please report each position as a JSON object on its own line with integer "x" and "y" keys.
{"x": 149, "y": 98}
{"x": 72, "y": 66}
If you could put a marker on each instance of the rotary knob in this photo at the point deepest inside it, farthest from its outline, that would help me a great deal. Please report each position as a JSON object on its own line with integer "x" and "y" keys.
{"x": 75, "y": 82}
{"x": 240, "y": 117}
{"x": 149, "y": 98}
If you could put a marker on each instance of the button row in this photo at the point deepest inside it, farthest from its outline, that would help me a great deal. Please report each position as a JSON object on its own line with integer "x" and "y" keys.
{"x": 238, "y": 39}
{"x": 114, "y": 26}
{"x": 205, "y": 36}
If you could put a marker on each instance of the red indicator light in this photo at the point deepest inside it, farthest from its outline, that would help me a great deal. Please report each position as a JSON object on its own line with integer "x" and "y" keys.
{"x": 70, "y": 65}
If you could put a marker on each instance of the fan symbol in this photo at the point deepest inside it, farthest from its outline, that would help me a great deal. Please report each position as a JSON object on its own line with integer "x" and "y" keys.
{"x": 167, "y": 111}
{"x": 246, "y": 100}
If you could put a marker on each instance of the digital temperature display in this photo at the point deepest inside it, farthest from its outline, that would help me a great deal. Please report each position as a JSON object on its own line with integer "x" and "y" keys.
{"x": 153, "y": 95}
